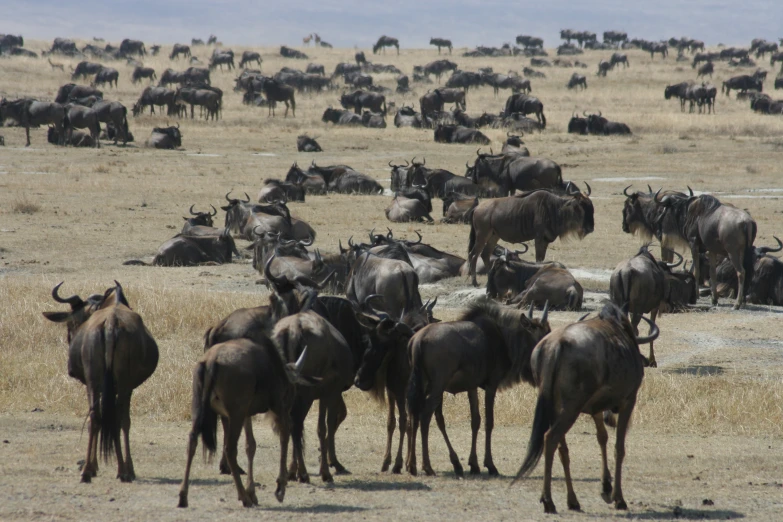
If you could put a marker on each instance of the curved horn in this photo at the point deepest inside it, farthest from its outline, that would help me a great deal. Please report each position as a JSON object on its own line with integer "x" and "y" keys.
{"x": 530, "y": 311}
{"x": 524, "y": 251}
{"x": 227, "y": 199}
{"x": 307, "y": 242}
{"x": 191, "y": 210}
{"x": 406, "y": 163}
{"x": 74, "y": 300}
{"x": 545, "y": 315}
{"x": 625, "y": 191}
{"x": 654, "y": 331}
{"x": 600, "y": 114}
{"x": 678, "y": 263}
{"x": 366, "y": 302}
{"x": 649, "y": 189}
{"x": 350, "y": 242}
{"x": 419, "y": 241}
{"x": 248, "y": 198}
{"x": 690, "y": 191}
{"x": 413, "y": 161}
{"x": 214, "y": 210}
{"x": 478, "y": 151}
{"x": 655, "y": 198}
{"x": 423, "y": 161}
{"x": 584, "y": 113}
{"x": 766, "y": 250}
{"x": 389, "y": 234}
{"x": 299, "y": 365}
{"x": 589, "y": 190}
{"x": 583, "y": 317}
{"x": 276, "y": 281}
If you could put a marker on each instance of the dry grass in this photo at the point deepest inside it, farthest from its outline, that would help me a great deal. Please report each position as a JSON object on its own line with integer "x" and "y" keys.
{"x": 22, "y": 205}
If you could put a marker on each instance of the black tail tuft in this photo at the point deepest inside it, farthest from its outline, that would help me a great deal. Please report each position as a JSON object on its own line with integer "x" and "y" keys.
{"x": 109, "y": 424}
{"x": 542, "y": 420}
{"x": 415, "y": 396}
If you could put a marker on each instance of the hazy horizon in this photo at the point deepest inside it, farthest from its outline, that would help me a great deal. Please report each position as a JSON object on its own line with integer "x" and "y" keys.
{"x": 354, "y": 23}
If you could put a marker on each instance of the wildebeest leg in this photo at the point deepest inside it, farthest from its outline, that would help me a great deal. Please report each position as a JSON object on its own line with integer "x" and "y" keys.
{"x": 714, "y": 278}
{"x": 573, "y": 503}
{"x": 323, "y": 405}
{"x": 232, "y": 436}
{"x": 652, "y": 363}
{"x": 489, "y": 424}
{"x": 430, "y": 405}
{"x": 192, "y": 116}
{"x": 27, "y": 133}
{"x": 297, "y": 470}
{"x": 410, "y": 463}
{"x": 403, "y": 432}
{"x": 284, "y": 429}
{"x": 475, "y": 424}
{"x": 552, "y": 439}
{"x": 391, "y": 422}
{"x": 224, "y": 469}
{"x": 442, "y": 427}
{"x": 738, "y": 261}
{"x": 192, "y": 445}
{"x": 250, "y": 450}
{"x": 623, "y": 419}
{"x": 481, "y": 239}
{"x": 541, "y": 246}
{"x": 124, "y": 466}
{"x": 334, "y": 417}
{"x": 603, "y": 437}
{"x": 90, "y": 468}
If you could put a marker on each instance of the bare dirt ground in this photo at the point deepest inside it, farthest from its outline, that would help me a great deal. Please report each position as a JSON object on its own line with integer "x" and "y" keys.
{"x": 709, "y": 422}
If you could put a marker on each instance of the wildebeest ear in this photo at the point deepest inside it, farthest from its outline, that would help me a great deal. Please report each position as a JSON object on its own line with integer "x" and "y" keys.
{"x": 57, "y": 317}
{"x": 225, "y": 208}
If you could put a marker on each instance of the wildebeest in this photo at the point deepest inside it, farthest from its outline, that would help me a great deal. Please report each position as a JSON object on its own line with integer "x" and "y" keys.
{"x": 276, "y": 91}
{"x": 615, "y": 37}
{"x": 488, "y": 347}
{"x": 459, "y": 134}
{"x": 506, "y": 81}
{"x": 643, "y": 217}
{"x": 553, "y": 285}
{"x": 80, "y": 117}
{"x": 165, "y": 138}
{"x": 236, "y": 380}
{"x": 305, "y": 143}
{"x": 85, "y": 69}
{"x": 373, "y": 120}
{"x": 619, "y": 58}
{"x": 384, "y": 42}
{"x": 221, "y": 58}
{"x": 742, "y": 83}
{"x": 116, "y": 115}
{"x": 27, "y": 112}
{"x": 130, "y": 47}
{"x": 539, "y": 215}
{"x": 403, "y": 209}
{"x": 200, "y": 223}
{"x": 359, "y": 100}
{"x": 514, "y": 171}
{"x": 106, "y": 75}
{"x": 463, "y": 80}
{"x": 524, "y": 104}
{"x": 514, "y": 145}
{"x": 678, "y": 91}
{"x": 408, "y": 117}
{"x": 779, "y": 82}
{"x": 77, "y": 138}
{"x": 394, "y": 279}
{"x": 191, "y": 75}
{"x": 287, "y": 52}
{"x": 251, "y": 56}
{"x": 275, "y": 190}
{"x": 112, "y": 353}
{"x": 143, "y": 72}
{"x": 532, "y": 73}
{"x": 439, "y": 67}
{"x": 530, "y": 41}
{"x": 345, "y": 180}
{"x": 597, "y": 124}
{"x": 722, "y": 230}
{"x": 577, "y": 80}
{"x": 577, "y": 124}
{"x": 704, "y": 70}
{"x": 658, "y": 47}
{"x": 508, "y": 274}
{"x": 180, "y": 49}
{"x": 604, "y": 66}
{"x": 341, "y": 117}
{"x": 585, "y": 367}
{"x": 153, "y": 96}
{"x": 458, "y": 208}
{"x": 314, "y": 68}
{"x": 441, "y": 42}
{"x": 183, "y": 250}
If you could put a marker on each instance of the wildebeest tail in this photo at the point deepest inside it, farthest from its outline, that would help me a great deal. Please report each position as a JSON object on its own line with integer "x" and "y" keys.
{"x": 125, "y": 128}
{"x": 543, "y": 118}
{"x": 543, "y": 418}
{"x": 574, "y": 299}
{"x": 204, "y": 417}
{"x": 109, "y": 426}
{"x": 135, "y": 262}
{"x": 748, "y": 257}
{"x": 415, "y": 395}
{"x": 472, "y": 236}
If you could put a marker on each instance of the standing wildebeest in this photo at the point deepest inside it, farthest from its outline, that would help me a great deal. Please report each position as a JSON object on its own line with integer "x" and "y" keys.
{"x": 638, "y": 286}
{"x": 80, "y": 117}
{"x": 112, "y": 353}
{"x": 585, "y": 367}
{"x": 597, "y": 124}
{"x": 660, "y": 48}
{"x": 704, "y": 70}
{"x": 28, "y": 112}
{"x": 524, "y": 104}
{"x": 143, "y": 72}
{"x": 359, "y": 100}
{"x": 314, "y": 68}
{"x": 679, "y": 91}
{"x": 488, "y": 347}
{"x": 530, "y": 41}
{"x": 221, "y": 58}
{"x": 742, "y": 83}
{"x": 643, "y": 217}
{"x": 360, "y": 58}
{"x": 180, "y": 49}
{"x": 403, "y": 209}
{"x": 615, "y": 37}
{"x": 514, "y": 171}
{"x": 165, "y": 138}
{"x": 441, "y": 42}
{"x": 604, "y": 66}
{"x": 305, "y": 143}
{"x": 619, "y": 58}
{"x": 385, "y": 41}
{"x": 106, "y": 75}
{"x": 539, "y": 215}
{"x": 463, "y": 80}
{"x": 577, "y": 80}
{"x": 394, "y": 279}
{"x": 85, "y": 69}
{"x": 276, "y": 91}
{"x": 153, "y": 96}
{"x": 114, "y": 114}
{"x": 438, "y": 68}
{"x": 131, "y": 47}
{"x": 722, "y": 230}
{"x": 251, "y": 56}
{"x": 236, "y": 380}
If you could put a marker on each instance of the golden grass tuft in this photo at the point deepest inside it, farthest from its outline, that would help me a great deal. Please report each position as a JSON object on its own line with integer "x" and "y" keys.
{"x": 23, "y": 205}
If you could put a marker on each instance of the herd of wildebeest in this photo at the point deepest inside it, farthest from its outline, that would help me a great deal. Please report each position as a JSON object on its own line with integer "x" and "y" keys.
{"x": 302, "y": 345}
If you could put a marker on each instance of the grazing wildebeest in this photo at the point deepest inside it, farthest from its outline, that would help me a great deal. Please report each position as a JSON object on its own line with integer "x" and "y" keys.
{"x": 577, "y": 124}
{"x": 221, "y": 58}
{"x": 359, "y": 100}
{"x": 80, "y": 117}
{"x": 143, "y": 72}
{"x": 236, "y": 380}
{"x": 488, "y": 347}
{"x": 130, "y": 47}
{"x": 742, "y": 83}
{"x": 638, "y": 286}
{"x": 180, "y": 49}
{"x": 27, "y": 112}
{"x": 276, "y": 91}
{"x": 315, "y": 68}
{"x": 165, "y": 138}
{"x": 577, "y": 80}
{"x": 539, "y": 215}
{"x": 403, "y": 210}
{"x": 85, "y": 69}
{"x": 438, "y": 68}
{"x": 106, "y": 75}
{"x": 553, "y": 285}
{"x": 384, "y": 42}
{"x": 441, "y": 42}
{"x": 722, "y": 230}
{"x": 619, "y": 58}
{"x": 704, "y": 70}
{"x": 110, "y": 351}
{"x": 115, "y": 114}
{"x": 463, "y": 80}
{"x": 524, "y": 104}
{"x": 153, "y": 96}
{"x": 597, "y": 124}
{"x": 251, "y": 56}
{"x": 604, "y": 66}
{"x": 305, "y": 143}
{"x": 459, "y": 134}
{"x": 585, "y": 367}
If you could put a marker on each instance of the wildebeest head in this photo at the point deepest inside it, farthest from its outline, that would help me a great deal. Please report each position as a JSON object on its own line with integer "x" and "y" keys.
{"x": 201, "y": 218}
{"x": 577, "y": 124}
{"x": 235, "y": 212}
{"x": 579, "y": 213}
{"x": 172, "y": 132}
{"x": 81, "y": 310}
{"x": 399, "y": 175}
{"x": 331, "y": 115}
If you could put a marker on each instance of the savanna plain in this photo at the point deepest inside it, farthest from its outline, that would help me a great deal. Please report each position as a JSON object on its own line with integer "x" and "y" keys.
{"x": 707, "y": 434}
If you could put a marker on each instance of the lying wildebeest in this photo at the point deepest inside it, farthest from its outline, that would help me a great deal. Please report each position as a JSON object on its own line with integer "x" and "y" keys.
{"x": 184, "y": 250}
{"x": 459, "y": 134}
{"x": 311, "y": 183}
{"x": 742, "y": 83}
{"x": 180, "y": 49}
{"x": 488, "y": 347}
{"x": 77, "y": 138}
{"x": 80, "y": 117}
{"x": 275, "y": 190}
{"x": 509, "y": 274}
{"x": 514, "y": 145}
{"x": 200, "y": 223}
{"x": 408, "y": 117}
{"x": 287, "y": 52}
{"x": 524, "y": 104}
{"x": 112, "y": 353}
{"x": 441, "y": 42}
{"x": 597, "y": 124}
{"x": 722, "y": 230}
{"x": 143, "y": 72}
{"x": 130, "y": 47}
{"x": 403, "y": 210}
{"x": 619, "y": 58}
{"x": 153, "y": 96}
{"x": 439, "y": 182}
{"x": 577, "y": 80}
{"x": 116, "y": 115}
{"x": 345, "y": 180}
{"x": 577, "y": 124}
{"x": 236, "y": 380}
{"x": 704, "y": 70}
{"x": 638, "y": 286}
{"x": 373, "y": 120}
{"x": 341, "y": 117}
{"x": 458, "y": 208}
{"x": 305, "y": 143}
{"x": 165, "y": 138}
{"x": 26, "y": 112}
{"x": 553, "y": 285}
{"x": 539, "y": 215}
{"x": 85, "y": 69}
{"x": 359, "y": 100}
{"x": 532, "y": 73}
{"x": 384, "y": 42}
{"x": 585, "y": 367}
{"x": 252, "y": 56}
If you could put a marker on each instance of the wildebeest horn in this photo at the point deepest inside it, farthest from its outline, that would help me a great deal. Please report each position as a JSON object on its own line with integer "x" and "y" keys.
{"x": 389, "y": 234}
{"x": 766, "y": 250}
{"x": 299, "y": 365}
{"x": 308, "y": 241}
{"x": 432, "y": 304}
{"x": 583, "y": 317}
{"x": 478, "y": 151}
{"x": 654, "y": 331}
{"x": 406, "y": 163}
{"x": 419, "y": 241}
{"x": 227, "y": 193}
{"x": 530, "y": 311}
{"x": 390, "y": 165}
{"x": 74, "y": 300}
{"x": 413, "y": 161}
{"x": 584, "y": 113}
{"x": 655, "y": 197}
{"x": 589, "y": 190}
{"x": 268, "y": 274}
{"x": 366, "y": 302}
{"x": 573, "y": 114}
{"x": 248, "y": 198}
{"x": 649, "y": 188}
{"x": 690, "y": 191}
{"x": 599, "y": 114}
{"x": 625, "y": 191}
{"x": 570, "y": 189}
{"x": 678, "y": 263}
{"x": 191, "y": 210}
{"x": 255, "y": 228}
{"x": 372, "y": 237}
{"x": 545, "y": 315}
{"x": 350, "y": 242}
{"x": 214, "y": 210}
{"x": 423, "y": 160}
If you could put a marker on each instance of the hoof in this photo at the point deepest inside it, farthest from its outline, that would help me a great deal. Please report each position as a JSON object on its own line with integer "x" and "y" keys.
{"x": 280, "y": 493}
{"x": 430, "y": 472}
{"x": 327, "y": 477}
{"x": 304, "y": 479}
{"x": 458, "y": 469}
{"x": 124, "y": 477}
{"x": 573, "y": 505}
{"x": 87, "y": 477}
{"x": 475, "y": 470}
{"x": 385, "y": 466}
{"x": 493, "y": 471}
{"x": 549, "y": 507}
{"x": 620, "y": 504}
{"x": 412, "y": 471}
{"x": 652, "y": 363}
{"x": 183, "y": 501}
{"x": 341, "y": 471}
{"x": 397, "y": 469}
